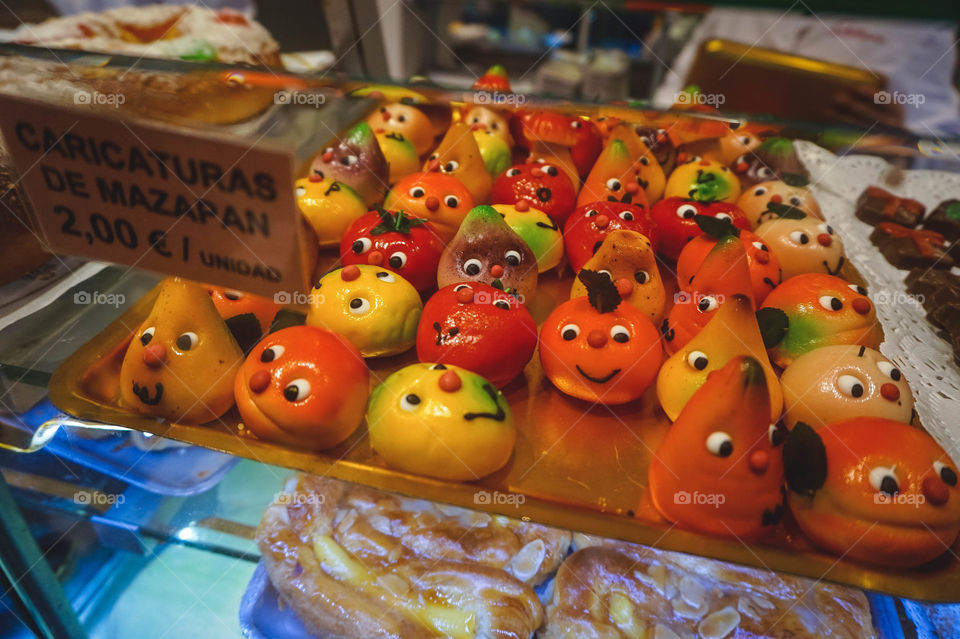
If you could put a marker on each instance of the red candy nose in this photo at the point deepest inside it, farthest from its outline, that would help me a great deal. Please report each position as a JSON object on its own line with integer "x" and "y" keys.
{"x": 375, "y": 258}
{"x": 935, "y": 491}
{"x": 632, "y": 187}
{"x": 758, "y": 461}
{"x": 433, "y": 165}
{"x": 450, "y": 381}
{"x": 601, "y": 221}
{"x": 776, "y": 199}
{"x": 624, "y": 287}
{"x": 350, "y": 273}
{"x": 522, "y": 205}
{"x": 259, "y": 381}
{"x": 432, "y": 203}
{"x": 890, "y": 391}
{"x": 741, "y": 167}
{"x": 315, "y": 178}
{"x": 465, "y": 295}
{"x": 762, "y": 257}
{"x": 596, "y": 338}
{"x": 496, "y": 270}
{"x": 861, "y": 305}
{"x": 536, "y": 172}
{"x": 386, "y": 116}
{"x": 704, "y": 162}
{"x": 476, "y": 127}
{"x": 154, "y": 355}
{"x": 825, "y": 239}
{"x": 327, "y": 156}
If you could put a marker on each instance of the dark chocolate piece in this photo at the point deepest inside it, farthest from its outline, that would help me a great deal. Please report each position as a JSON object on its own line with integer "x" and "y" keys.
{"x": 947, "y": 316}
{"x": 909, "y": 248}
{"x": 945, "y": 220}
{"x": 876, "y": 205}
{"x": 924, "y": 283}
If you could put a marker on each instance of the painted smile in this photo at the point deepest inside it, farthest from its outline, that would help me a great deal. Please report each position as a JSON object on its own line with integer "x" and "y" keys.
{"x": 552, "y": 225}
{"x": 499, "y": 416}
{"x": 143, "y": 393}
{"x": 441, "y": 338}
{"x": 598, "y": 380}
{"x": 834, "y": 271}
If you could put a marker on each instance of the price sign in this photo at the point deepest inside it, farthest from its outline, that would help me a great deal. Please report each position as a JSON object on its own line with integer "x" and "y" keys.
{"x": 166, "y": 199}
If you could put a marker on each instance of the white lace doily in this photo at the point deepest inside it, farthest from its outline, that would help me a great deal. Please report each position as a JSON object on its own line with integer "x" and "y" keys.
{"x": 924, "y": 358}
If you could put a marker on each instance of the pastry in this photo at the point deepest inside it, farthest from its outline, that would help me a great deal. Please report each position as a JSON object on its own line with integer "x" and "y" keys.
{"x": 719, "y": 470}
{"x": 613, "y": 178}
{"x": 401, "y": 157}
{"x": 182, "y": 359}
{"x": 703, "y": 181}
{"x": 873, "y": 490}
{"x": 535, "y": 228}
{"x": 628, "y": 259}
{"x": 357, "y": 161}
{"x": 647, "y": 172}
{"x": 481, "y": 118}
{"x": 660, "y": 145}
{"x": 558, "y": 156}
{"x": 598, "y": 349}
{"x": 945, "y": 220}
{"x": 731, "y": 332}
{"x": 440, "y": 199}
{"x": 486, "y": 249}
{"x": 303, "y": 386}
{"x": 577, "y": 134}
{"x": 876, "y": 205}
{"x": 441, "y": 421}
{"x": 775, "y": 158}
{"x": 832, "y": 383}
{"x": 248, "y": 317}
{"x": 675, "y": 218}
{"x": 813, "y": 310}
{"x": 328, "y": 206}
{"x": 806, "y": 245}
{"x": 459, "y": 156}
{"x": 408, "y": 246}
{"x": 376, "y": 309}
{"x": 355, "y": 562}
{"x": 477, "y": 327}
{"x": 544, "y": 186}
{"x": 408, "y": 121}
{"x": 769, "y": 200}
{"x": 589, "y": 225}
{"x": 908, "y": 248}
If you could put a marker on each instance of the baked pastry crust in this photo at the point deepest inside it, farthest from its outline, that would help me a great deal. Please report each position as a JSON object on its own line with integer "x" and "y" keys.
{"x": 617, "y": 590}
{"x": 356, "y": 562}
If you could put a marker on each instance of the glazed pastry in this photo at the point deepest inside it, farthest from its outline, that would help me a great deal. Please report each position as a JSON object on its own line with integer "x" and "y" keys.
{"x": 353, "y": 562}
{"x": 536, "y": 229}
{"x": 495, "y": 152}
{"x": 441, "y": 421}
{"x": 182, "y": 359}
{"x": 247, "y": 316}
{"x": 703, "y": 181}
{"x": 832, "y": 383}
{"x": 544, "y": 186}
{"x": 479, "y": 328}
{"x": 613, "y": 178}
{"x": 401, "y": 157}
{"x": 589, "y": 225}
{"x": 876, "y": 205}
{"x": 328, "y": 206}
{"x": 303, "y": 386}
{"x": 769, "y": 200}
{"x": 719, "y": 470}
{"x": 724, "y": 272}
{"x": 458, "y": 156}
{"x": 618, "y": 590}
{"x": 408, "y": 121}
{"x": 675, "y": 217}
{"x": 815, "y": 310}
{"x": 945, "y": 220}
{"x": 596, "y": 348}
{"x": 376, "y": 309}
{"x": 763, "y": 262}
{"x": 806, "y": 245}
{"x": 873, "y": 490}
{"x": 357, "y": 161}
{"x": 628, "y": 259}
{"x": 440, "y": 199}
{"x": 397, "y": 242}
{"x": 774, "y": 159}
{"x": 908, "y": 248}
{"x": 579, "y": 135}
{"x": 486, "y": 249}
{"x": 731, "y": 332}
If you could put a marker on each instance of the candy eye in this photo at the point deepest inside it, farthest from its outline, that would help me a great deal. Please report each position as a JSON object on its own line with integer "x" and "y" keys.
{"x": 764, "y": 172}
{"x": 495, "y": 126}
{"x": 361, "y": 245}
{"x": 698, "y": 360}
{"x": 795, "y": 201}
{"x": 825, "y": 228}
{"x": 472, "y": 266}
{"x": 947, "y": 474}
{"x": 604, "y": 271}
{"x": 147, "y": 335}
{"x": 504, "y": 304}
{"x": 434, "y": 156}
{"x": 745, "y": 140}
{"x": 760, "y": 246}
{"x": 233, "y": 296}
{"x": 723, "y": 216}
{"x": 799, "y": 237}
{"x": 831, "y": 303}
{"x": 858, "y": 289}
{"x": 410, "y": 402}
{"x": 760, "y": 190}
{"x": 890, "y": 371}
{"x": 551, "y": 170}
{"x": 720, "y": 443}
{"x": 386, "y": 276}
{"x": 272, "y": 353}
{"x": 626, "y": 216}
{"x": 513, "y": 172}
{"x": 417, "y": 191}
{"x": 775, "y": 435}
{"x": 687, "y": 211}
{"x": 613, "y": 184}
{"x": 460, "y": 287}
{"x": 297, "y": 390}
{"x": 569, "y": 332}
{"x": 401, "y": 118}
{"x": 512, "y": 258}
{"x": 576, "y": 124}
{"x": 476, "y": 120}
{"x": 645, "y": 161}
{"x": 850, "y": 385}
{"x": 641, "y": 277}
{"x": 349, "y": 160}
{"x": 187, "y": 340}
{"x": 397, "y": 259}
{"x": 452, "y": 201}
{"x": 707, "y": 303}
{"x": 450, "y": 166}
{"x": 619, "y": 333}
{"x": 300, "y": 191}
{"x": 359, "y": 305}
{"x": 592, "y": 213}
{"x": 884, "y": 480}
{"x": 438, "y": 367}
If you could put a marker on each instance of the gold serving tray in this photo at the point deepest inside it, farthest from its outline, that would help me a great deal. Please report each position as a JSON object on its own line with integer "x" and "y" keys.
{"x": 575, "y": 466}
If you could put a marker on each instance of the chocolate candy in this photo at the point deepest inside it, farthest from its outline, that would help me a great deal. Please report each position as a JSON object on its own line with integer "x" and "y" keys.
{"x": 924, "y": 283}
{"x": 908, "y": 248}
{"x": 945, "y": 219}
{"x": 876, "y": 205}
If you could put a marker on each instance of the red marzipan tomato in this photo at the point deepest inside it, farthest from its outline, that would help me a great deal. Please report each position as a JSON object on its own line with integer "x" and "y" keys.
{"x": 589, "y": 224}
{"x": 674, "y": 219}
